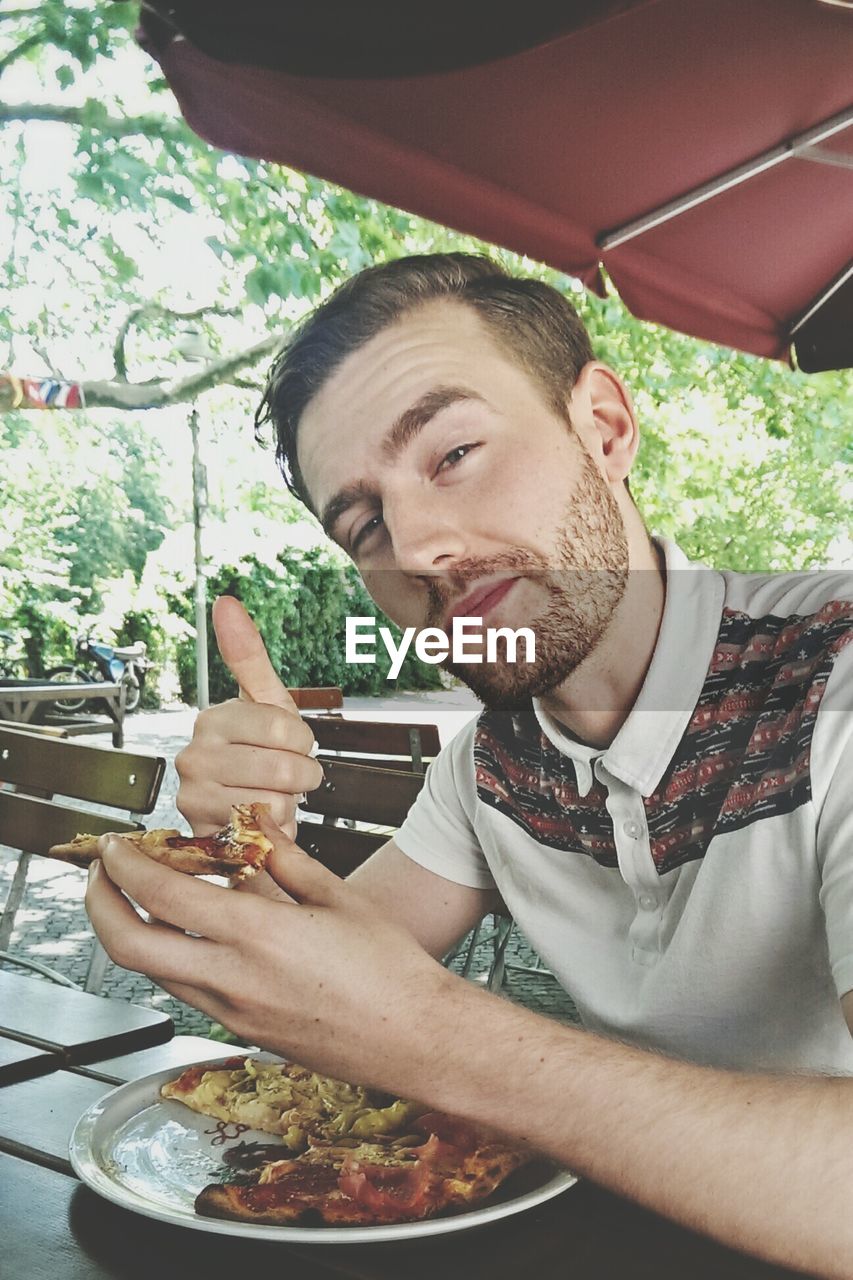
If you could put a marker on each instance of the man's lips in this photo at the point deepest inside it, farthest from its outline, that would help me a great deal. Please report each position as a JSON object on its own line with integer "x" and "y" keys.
{"x": 480, "y": 602}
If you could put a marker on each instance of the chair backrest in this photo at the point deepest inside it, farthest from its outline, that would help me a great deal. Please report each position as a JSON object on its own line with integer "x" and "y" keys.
{"x": 38, "y": 768}
{"x": 383, "y": 744}
{"x": 34, "y": 769}
{"x": 97, "y": 775}
{"x": 326, "y": 698}
{"x": 373, "y": 772}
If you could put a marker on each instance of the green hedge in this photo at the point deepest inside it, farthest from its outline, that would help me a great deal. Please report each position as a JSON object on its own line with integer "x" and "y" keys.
{"x": 300, "y": 605}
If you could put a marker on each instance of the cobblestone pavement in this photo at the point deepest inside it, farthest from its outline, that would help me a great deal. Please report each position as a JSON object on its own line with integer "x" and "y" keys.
{"x": 52, "y": 926}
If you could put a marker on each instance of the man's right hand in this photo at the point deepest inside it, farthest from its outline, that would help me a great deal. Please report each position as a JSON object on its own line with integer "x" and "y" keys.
{"x": 252, "y": 748}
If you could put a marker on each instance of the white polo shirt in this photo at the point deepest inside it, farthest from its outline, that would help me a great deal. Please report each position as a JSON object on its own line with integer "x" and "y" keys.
{"x": 691, "y": 886}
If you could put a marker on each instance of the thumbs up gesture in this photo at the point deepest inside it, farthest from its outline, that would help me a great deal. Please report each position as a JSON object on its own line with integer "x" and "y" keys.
{"x": 252, "y": 748}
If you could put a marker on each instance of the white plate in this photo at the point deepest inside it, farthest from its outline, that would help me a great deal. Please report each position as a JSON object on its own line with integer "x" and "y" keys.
{"x": 154, "y": 1155}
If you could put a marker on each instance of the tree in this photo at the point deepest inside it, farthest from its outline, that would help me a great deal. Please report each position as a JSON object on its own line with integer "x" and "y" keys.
{"x": 745, "y": 462}
{"x": 276, "y": 240}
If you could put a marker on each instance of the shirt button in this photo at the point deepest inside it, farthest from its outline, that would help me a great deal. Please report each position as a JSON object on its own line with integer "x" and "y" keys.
{"x": 633, "y": 830}
{"x": 648, "y": 901}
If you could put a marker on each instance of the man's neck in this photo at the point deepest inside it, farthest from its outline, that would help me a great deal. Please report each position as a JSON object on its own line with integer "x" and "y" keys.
{"x": 595, "y": 700}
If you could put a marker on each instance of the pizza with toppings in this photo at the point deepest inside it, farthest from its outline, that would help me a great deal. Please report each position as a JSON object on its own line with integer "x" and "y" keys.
{"x": 292, "y": 1102}
{"x": 239, "y": 849}
{"x": 348, "y": 1156}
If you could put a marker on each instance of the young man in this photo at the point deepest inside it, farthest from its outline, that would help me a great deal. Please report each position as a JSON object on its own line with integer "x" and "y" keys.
{"x": 661, "y": 798}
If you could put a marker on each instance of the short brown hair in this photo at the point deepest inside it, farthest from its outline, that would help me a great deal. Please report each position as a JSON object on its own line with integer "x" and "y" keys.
{"x": 536, "y": 325}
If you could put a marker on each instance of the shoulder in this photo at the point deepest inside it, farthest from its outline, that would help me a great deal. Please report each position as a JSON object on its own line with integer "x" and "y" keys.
{"x": 453, "y": 767}
{"x": 796, "y": 625}
{"x": 828, "y": 593}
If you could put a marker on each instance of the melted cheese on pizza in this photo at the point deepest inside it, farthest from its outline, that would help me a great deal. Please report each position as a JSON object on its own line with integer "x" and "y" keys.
{"x": 291, "y": 1101}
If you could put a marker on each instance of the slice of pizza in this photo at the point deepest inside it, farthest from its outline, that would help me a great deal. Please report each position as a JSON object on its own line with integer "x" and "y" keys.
{"x": 374, "y": 1183}
{"x": 290, "y": 1101}
{"x": 239, "y": 849}
{"x": 315, "y": 1187}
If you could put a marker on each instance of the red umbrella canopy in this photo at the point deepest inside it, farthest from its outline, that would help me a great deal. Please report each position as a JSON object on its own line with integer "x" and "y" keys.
{"x": 701, "y": 151}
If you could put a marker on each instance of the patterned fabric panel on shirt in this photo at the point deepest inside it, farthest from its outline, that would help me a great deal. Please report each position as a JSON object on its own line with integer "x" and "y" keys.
{"x": 744, "y": 755}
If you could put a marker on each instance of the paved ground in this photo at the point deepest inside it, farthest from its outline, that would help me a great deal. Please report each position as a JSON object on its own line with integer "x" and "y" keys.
{"x": 52, "y": 926}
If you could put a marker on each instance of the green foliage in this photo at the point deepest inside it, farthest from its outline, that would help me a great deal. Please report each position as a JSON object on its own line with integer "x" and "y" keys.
{"x": 83, "y": 506}
{"x": 300, "y": 602}
{"x": 743, "y": 461}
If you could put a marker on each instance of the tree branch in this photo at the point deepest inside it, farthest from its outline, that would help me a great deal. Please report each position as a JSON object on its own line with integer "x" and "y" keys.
{"x": 151, "y": 309}
{"x": 21, "y": 49}
{"x": 92, "y": 116}
{"x": 42, "y": 354}
{"x": 158, "y": 394}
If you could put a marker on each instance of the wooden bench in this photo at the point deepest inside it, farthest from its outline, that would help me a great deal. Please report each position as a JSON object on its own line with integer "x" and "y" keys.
{"x": 31, "y": 701}
{"x": 373, "y": 772}
{"x": 36, "y": 768}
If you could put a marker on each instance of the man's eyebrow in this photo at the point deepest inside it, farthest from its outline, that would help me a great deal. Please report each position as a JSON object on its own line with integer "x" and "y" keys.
{"x": 416, "y": 417}
{"x": 400, "y": 433}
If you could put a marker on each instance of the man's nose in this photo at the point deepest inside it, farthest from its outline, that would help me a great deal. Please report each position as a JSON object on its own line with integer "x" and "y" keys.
{"x": 425, "y": 539}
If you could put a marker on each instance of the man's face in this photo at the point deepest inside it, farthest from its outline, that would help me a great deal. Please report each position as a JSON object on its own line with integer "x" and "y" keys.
{"x": 436, "y": 462}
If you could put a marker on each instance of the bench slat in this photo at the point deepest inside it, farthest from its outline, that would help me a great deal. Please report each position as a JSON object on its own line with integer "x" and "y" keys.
{"x": 381, "y": 796}
{"x": 338, "y": 848}
{"x": 34, "y": 825}
{"x": 375, "y": 737}
{"x": 98, "y": 775}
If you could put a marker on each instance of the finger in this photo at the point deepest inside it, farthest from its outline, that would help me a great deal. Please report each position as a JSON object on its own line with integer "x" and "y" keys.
{"x": 207, "y": 807}
{"x": 245, "y": 655}
{"x": 300, "y": 875}
{"x": 187, "y": 902}
{"x": 207, "y": 816}
{"x": 215, "y": 1006}
{"x": 281, "y": 772}
{"x": 263, "y": 885}
{"x": 162, "y": 953}
{"x": 247, "y": 723}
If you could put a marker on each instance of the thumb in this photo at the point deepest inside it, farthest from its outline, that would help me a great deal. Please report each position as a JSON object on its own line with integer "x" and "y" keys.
{"x": 245, "y": 656}
{"x": 301, "y": 876}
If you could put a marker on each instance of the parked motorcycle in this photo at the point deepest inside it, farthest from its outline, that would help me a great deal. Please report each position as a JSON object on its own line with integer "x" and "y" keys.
{"x": 96, "y": 661}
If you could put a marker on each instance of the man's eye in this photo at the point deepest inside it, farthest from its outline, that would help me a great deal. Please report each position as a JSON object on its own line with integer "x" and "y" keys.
{"x": 369, "y": 527}
{"x": 456, "y": 455}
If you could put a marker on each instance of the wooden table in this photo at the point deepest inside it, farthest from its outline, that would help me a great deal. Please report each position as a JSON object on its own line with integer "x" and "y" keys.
{"x": 19, "y": 1061}
{"x": 74, "y": 1026}
{"x": 53, "y": 1228}
{"x": 22, "y": 700}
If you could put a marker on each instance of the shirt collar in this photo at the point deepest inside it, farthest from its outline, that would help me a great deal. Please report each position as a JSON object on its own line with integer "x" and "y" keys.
{"x": 656, "y": 723}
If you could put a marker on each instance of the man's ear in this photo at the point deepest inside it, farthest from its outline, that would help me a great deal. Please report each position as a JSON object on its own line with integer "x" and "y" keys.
{"x": 601, "y": 399}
